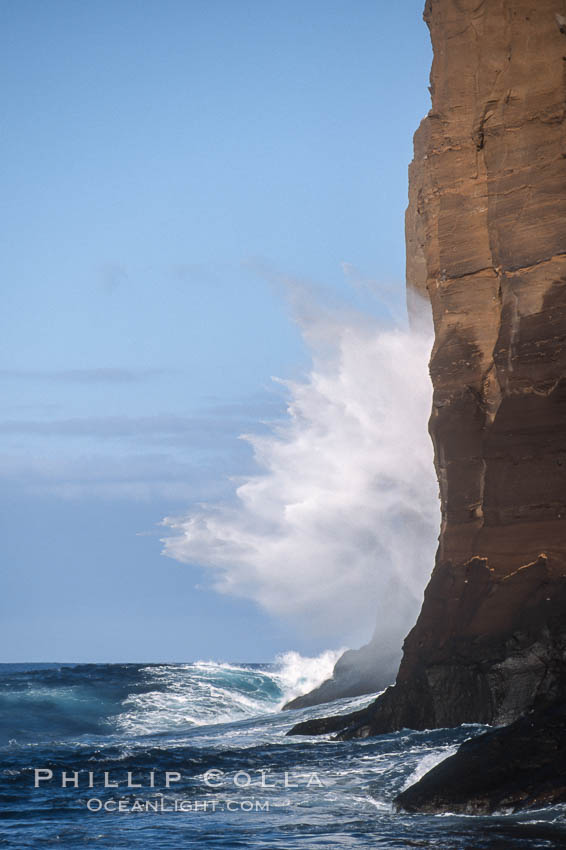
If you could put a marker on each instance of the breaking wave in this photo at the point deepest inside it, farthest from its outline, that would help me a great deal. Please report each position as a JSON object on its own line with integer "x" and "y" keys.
{"x": 209, "y": 692}
{"x": 53, "y": 702}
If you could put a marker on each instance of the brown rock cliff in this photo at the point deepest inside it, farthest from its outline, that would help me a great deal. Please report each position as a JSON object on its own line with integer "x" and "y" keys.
{"x": 486, "y": 243}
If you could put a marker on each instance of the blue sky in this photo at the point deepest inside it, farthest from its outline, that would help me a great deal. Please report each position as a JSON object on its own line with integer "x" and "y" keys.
{"x": 166, "y": 165}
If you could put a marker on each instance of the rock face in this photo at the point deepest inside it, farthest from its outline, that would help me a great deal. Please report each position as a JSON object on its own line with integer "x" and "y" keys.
{"x": 358, "y": 671}
{"x": 520, "y": 766}
{"x": 486, "y": 243}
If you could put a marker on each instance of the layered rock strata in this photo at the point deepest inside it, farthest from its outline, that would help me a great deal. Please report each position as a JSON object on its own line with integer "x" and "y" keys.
{"x": 486, "y": 243}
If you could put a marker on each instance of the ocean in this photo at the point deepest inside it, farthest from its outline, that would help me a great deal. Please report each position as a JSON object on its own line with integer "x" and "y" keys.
{"x": 171, "y": 756}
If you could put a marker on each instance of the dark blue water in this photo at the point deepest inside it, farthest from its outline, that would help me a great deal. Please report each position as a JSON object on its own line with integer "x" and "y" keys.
{"x": 241, "y": 783}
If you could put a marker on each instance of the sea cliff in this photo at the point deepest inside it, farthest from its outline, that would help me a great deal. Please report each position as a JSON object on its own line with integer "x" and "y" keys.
{"x": 486, "y": 244}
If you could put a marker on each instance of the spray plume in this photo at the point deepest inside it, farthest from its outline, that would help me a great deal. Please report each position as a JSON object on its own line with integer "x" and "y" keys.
{"x": 342, "y": 518}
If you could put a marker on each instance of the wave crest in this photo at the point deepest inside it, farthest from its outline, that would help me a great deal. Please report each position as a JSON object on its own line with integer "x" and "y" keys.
{"x": 176, "y": 697}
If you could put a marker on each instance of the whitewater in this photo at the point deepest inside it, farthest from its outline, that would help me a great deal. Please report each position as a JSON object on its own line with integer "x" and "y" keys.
{"x": 175, "y": 756}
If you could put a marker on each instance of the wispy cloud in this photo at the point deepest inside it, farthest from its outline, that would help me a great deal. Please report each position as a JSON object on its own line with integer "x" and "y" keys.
{"x": 184, "y": 430}
{"x": 152, "y": 457}
{"x": 138, "y": 477}
{"x": 85, "y": 376}
{"x": 112, "y": 276}
{"x": 106, "y": 426}
{"x": 194, "y": 273}
{"x": 387, "y": 293}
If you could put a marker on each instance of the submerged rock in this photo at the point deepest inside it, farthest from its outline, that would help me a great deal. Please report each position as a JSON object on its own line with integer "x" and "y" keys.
{"x": 520, "y": 766}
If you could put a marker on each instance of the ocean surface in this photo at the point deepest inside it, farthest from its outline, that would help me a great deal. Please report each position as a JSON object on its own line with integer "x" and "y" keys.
{"x": 235, "y": 780}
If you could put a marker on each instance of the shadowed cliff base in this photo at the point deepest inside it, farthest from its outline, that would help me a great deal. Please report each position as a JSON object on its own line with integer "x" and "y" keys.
{"x": 483, "y": 649}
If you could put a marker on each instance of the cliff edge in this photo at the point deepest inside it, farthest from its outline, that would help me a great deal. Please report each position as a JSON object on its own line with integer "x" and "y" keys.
{"x": 486, "y": 243}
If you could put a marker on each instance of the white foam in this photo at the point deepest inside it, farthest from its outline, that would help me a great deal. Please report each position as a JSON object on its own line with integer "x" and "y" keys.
{"x": 210, "y": 692}
{"x": 299, "y": 674}
{"x": 427, "y": 763}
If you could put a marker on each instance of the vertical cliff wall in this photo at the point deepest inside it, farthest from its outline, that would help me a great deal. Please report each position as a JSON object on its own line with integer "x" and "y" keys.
{"x": 486, "y": 243}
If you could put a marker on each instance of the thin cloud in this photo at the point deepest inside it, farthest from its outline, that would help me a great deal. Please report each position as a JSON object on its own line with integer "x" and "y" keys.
{"x": 215, "y": 421}
{"x": 85, "y": 376}
{"x": 386, "y": 293}
{"x": 139, "y": 477}
{"x": 119, "y": 426}
{"x": 194, "y": 274}
{"x": 112, "y": 277}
